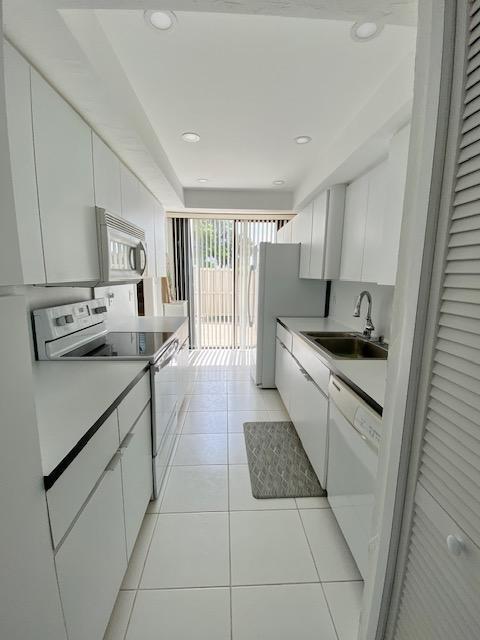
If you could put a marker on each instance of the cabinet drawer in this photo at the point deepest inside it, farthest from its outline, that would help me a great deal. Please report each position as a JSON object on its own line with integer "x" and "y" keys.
{"x": 137, "y": 475}
{"x": 132, "y": 406}
{"x": 70, "y": 491}
{"x": 284, "y": 336}
{"x": 311, "y": 363}
{"x": 92, "y": 561}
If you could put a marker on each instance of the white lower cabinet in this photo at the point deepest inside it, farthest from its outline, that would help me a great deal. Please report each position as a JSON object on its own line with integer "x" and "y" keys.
{"x": 92, "y": 560}
{"x": 306, "y": 404}
{"x": 309, "y": 413}
{"x": 136, "y": 475}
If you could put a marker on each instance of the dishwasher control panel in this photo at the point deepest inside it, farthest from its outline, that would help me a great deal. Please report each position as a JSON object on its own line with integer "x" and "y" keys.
{"x": 369, "y": 425}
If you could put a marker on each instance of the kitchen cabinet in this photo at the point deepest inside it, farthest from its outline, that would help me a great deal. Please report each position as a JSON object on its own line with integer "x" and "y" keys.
{"x": 63, "y": 156}
{"x": 136, "y": 464}
{"x": 309, "y": 413}
{"x": 326, "y": 234}
{"x": 302, "y": 233}
{"x": 354, "y": 223}
{"x": 393, "y": 214}
{"x": 306, "y": 404}
{"x": 22, "y": 162}
{"x": 92, "y": 560}
{"x": 374, "y": 246}
{"x": 160, "y": 252}
{"x": 373, "y": 218}
{"x": 106, "y": 173}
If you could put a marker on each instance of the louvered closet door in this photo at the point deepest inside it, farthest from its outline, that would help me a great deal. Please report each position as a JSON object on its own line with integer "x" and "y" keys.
{"x": 441, "y": 589}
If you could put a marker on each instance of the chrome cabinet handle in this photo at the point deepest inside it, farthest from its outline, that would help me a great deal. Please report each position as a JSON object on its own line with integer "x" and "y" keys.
{"x": 126, "y": 441}
{"x": 113, "y": 464}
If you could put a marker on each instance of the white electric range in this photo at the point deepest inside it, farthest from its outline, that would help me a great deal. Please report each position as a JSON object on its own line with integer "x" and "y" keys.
{"x": 79, "y": 331}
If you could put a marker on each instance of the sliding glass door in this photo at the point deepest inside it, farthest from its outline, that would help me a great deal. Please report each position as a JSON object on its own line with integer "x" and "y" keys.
{"x": 213, "y": 261}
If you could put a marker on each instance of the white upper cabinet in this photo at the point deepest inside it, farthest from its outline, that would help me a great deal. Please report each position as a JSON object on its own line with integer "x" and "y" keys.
{"x": 63, "y": 152}
{"x": 20, "y": 135}
{"x": 375, "y": 249}
{"x": 373, "y": 218}
{"x": 160, "y": 253}
{"x": 302, "y": 232}
{"x": 106, "y": 172}
{"x": 354, "y": 222}
{"x": 130, "y": 189}
{"x": 326, "y": 237}
{"x": 392, "y": 220}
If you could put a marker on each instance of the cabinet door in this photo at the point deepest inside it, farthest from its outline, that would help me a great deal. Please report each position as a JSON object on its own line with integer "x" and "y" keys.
{"x": 137, "y": 475}
{"x": 309, "y": 414}
{"x": 374, "y": 251}
{"x": 92, "y": 560}
{"x": 146, "y": 220}
{"x": 106, "y": 171}
{"x": 392, "y": 221}
{"x": 281, "y": 375}
{"x": 304, "y": 236}
{"x": 130, "y": 194}
{"x": 63, "y": 156}
{"x": 20, "y": 135}
{"x": 318, "y": 237}
{"x": 160, "y": 254}
{"x": 354, "y": 230}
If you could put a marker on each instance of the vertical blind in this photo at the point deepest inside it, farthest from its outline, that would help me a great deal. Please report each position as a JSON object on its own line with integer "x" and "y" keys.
{"x": 212, "y": 264}
{"x": 440, "y": 591}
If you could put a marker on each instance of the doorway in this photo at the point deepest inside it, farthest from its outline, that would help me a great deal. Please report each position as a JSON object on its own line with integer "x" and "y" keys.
{"x": 213, "y": 258}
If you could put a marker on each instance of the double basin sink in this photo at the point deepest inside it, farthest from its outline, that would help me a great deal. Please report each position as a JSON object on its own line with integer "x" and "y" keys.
{"x": 347, "y": 346}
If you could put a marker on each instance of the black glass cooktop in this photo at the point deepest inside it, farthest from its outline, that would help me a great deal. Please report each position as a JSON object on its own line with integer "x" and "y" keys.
{"x": 123, "y": 344}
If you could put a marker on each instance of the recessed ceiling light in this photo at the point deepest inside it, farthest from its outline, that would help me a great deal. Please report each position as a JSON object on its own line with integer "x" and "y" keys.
{"x": 190, "y": 136}
{"x": 303, "y": 139}
{"x": 278, "y": 183}
{"x": 202, "y": 180}
{"x": 364, "y": 31}
{"x": 161, "y": 20}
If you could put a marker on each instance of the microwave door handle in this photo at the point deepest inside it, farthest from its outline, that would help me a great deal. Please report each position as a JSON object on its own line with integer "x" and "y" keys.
{"x": 142, "y": 253}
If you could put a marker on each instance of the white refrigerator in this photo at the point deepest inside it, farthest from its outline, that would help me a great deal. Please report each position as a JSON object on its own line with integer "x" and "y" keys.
{"x": 276, "y": 290}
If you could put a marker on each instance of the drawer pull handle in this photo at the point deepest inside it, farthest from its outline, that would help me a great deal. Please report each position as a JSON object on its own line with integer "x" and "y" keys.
{"x": 455, "y": 545}
{"x": 113, "y": 464}
{"x": 126, "y": 441}
{"x": 336, "y": 385}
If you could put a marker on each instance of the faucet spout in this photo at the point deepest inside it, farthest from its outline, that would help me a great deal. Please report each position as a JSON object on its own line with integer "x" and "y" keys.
{"x": 369, "y": 327}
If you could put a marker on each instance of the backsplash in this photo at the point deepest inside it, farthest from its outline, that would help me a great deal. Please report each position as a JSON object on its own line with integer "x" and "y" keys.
{"x": 342, "y": 301}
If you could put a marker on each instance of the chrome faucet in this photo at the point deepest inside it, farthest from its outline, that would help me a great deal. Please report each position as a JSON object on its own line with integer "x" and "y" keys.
{"x": 367, "y": 332}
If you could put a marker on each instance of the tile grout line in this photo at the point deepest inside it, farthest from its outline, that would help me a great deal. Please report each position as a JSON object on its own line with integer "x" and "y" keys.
{"x": 229, "y": 537}
{"x": 318, "y": 574}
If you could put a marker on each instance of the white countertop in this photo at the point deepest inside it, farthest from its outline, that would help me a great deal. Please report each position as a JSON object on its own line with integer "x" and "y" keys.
{"x": 368, "y": 375}
{"x": 141, "y": 323}
{"x": 70, "y": 397}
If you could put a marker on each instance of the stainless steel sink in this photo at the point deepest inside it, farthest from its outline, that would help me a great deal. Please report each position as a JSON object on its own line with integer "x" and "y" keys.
{"x": 348, "y": 346}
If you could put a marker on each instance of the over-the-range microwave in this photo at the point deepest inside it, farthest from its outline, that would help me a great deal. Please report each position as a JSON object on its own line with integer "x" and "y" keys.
{"x": 122, "y": 251}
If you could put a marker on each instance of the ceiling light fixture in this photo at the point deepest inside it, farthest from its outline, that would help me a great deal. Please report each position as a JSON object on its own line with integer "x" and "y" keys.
{"x": 278, "y": 183}
{"x": 202, "y": 180}
{"x": 303, "y": 139}
{"x": 160, "y": 20}
{"x": 365, "y": 31}
{"x": 190, "y": 136}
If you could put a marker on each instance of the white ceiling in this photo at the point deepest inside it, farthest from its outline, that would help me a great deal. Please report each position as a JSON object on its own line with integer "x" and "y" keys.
{"x": 248, "y": 84}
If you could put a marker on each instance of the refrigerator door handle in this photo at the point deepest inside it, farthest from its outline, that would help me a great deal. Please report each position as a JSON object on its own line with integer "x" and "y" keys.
{"x": 250, "y": 318}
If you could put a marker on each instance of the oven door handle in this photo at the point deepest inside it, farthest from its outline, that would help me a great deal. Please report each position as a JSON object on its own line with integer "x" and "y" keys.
{"x": 167, "y": 355}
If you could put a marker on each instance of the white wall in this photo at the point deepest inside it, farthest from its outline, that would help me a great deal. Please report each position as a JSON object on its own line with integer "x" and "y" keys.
{"x": 342, "y": 301}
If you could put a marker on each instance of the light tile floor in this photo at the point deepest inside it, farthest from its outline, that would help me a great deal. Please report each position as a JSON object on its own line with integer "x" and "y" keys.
{"x": 213, "y": 563}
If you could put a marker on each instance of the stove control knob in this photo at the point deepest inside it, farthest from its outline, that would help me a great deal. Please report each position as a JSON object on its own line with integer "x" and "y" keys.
{"x": 69, "y": 318}
{"x": 100, "y": 310}
{"x": 61, "y": 321}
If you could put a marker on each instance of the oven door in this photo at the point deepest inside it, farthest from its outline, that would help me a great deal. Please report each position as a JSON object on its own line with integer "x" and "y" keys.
{"x": 165, "y": 397}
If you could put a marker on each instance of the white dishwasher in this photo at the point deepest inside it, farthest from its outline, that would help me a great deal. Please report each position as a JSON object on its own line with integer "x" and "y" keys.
{"x": 354, "y": 437}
